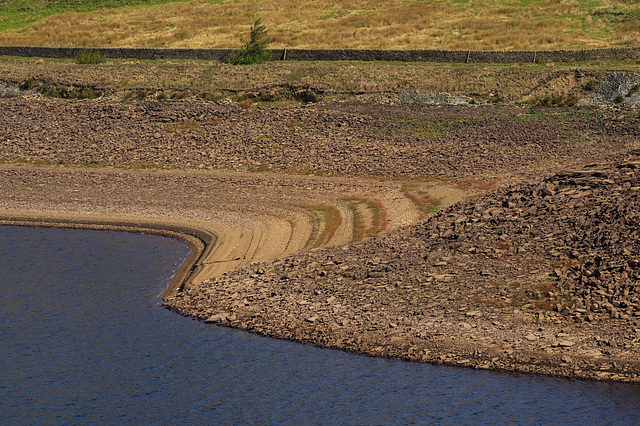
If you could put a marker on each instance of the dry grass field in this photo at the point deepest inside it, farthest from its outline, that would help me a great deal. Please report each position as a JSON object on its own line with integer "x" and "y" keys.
{"x": 390, "y": 24}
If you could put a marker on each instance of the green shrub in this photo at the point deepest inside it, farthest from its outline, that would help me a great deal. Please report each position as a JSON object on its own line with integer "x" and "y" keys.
{"x": 590, "y": 86}
{"x": 555, "y": 100}
{"x": 28, "y": 84}
{"x": 255, "y": 51}
{"x": 136, "y": 95}
{"x": 55, "y": 91}
{"x": 90, "y": 56}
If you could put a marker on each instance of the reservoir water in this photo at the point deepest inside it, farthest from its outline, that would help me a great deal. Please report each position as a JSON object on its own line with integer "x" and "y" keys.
{"x": 84, "y": 340}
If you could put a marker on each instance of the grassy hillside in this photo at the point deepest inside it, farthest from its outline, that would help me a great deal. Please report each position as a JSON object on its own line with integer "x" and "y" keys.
{"x": 388, "y": 24}
{"x": 21, "y": 13}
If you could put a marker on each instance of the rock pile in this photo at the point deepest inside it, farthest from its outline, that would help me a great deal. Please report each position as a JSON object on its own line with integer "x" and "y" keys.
{"x": 456, "y": 141}
{"x": 584, "y": 223}
{"x": 618, "y": 88}
{"x": 11, "y": 91}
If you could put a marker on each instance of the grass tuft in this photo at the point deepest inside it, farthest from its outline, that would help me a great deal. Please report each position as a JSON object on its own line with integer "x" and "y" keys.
{"x": 90, "y": 56}
{"x": 556, "y": 100}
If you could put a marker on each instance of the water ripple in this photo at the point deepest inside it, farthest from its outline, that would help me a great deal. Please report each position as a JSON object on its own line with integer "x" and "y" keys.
{"x": 83, "y": 340}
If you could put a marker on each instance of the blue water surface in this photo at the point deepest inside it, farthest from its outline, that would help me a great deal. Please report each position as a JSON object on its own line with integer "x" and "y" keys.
{"x": 84, "y": 340}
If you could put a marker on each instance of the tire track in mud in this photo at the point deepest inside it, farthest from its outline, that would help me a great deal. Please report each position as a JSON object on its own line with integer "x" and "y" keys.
{"x": 229, "y": 220}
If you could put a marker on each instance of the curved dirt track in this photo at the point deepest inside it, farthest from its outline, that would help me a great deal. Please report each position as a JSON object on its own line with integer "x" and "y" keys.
{"x": 229, "y": 220}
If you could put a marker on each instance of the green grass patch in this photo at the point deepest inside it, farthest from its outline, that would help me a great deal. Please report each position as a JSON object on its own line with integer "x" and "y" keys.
{"x": 396, "y": 24}
{"x": 556, "y": 100}
{"x": 91, "y": 56}
{"x": 16, "y": 14}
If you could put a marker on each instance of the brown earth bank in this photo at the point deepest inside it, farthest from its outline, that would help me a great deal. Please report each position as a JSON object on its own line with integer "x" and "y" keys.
{"x": 538, "y": 277}
{"x": 240, "y": 218}
{"x": 318, "y": 219}
{"x": 483, "y": 142}
{"x": 309, "y": 81}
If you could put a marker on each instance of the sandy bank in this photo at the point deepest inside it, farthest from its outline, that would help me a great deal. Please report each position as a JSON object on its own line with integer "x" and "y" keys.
{"x": 539, "y": 277}
{"x": 275, "y": 255}
{"x": 229, "y": 220}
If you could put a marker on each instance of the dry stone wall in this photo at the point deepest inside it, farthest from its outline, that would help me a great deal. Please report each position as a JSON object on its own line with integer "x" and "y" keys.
{"x": 456, "y": 56}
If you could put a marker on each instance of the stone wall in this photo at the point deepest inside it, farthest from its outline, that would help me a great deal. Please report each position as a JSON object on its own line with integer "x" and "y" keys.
{"x": 456, "y": 56}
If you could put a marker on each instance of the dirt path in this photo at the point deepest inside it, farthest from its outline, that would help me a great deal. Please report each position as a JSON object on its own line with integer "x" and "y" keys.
{"x": 229, "y": 219}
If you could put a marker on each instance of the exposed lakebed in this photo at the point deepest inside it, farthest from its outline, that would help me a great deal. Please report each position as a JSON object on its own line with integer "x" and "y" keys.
{"x": 84, "y": 339}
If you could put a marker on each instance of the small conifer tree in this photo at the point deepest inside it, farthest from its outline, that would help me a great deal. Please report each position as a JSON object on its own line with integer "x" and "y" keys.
{"x": 255, "y": 51}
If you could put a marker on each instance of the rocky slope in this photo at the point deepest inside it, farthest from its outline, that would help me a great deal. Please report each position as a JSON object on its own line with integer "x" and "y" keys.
{"x": 411, "y": 141}
{"x": 536, "y": 277}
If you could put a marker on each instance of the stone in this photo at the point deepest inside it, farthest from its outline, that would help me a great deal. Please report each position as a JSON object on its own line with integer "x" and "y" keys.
{"x": 443, "y": 278}
{"x": 217, "y": 318}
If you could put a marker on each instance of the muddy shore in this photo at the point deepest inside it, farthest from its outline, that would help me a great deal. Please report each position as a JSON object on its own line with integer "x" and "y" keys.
{"x": 537, "y": 277}
{"x": 495, "y": 237}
